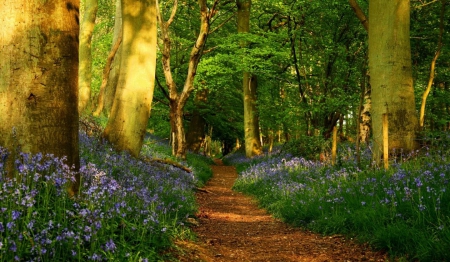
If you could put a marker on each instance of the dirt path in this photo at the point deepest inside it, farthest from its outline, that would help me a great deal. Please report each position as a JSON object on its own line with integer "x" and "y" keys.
{"x": 232, "y": 228}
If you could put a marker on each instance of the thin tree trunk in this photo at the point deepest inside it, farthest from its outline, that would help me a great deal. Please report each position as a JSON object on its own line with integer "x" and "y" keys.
{"x": 178, "y": 100}
{"x": 432, "y": 67}
{"x": 359, "y": 120}
{"x": 196, "y": 133}
{"x": 113, "y": 78}
{"x": 85, "y": 55}
{"x": 105, "y": 77}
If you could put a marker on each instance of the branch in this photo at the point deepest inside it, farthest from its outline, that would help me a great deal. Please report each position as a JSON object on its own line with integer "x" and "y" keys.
{"x": 360, "y": 14}
{"x": 167, "y": 162}
{"x": 419, "y": 6}
{"x": 172, "y": 15}
{"x": 222, "y": 24}
{"x": 209, "y": 50}
{"x": 213, "y": 9}
{"x": 162, "y": 88}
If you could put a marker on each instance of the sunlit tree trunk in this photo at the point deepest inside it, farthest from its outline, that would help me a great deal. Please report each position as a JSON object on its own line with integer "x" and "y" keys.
{"x": 39, "y": 79}
{"x": 127, "y": 123}
{"x": 391, "y": 75}
{"x": 85, "y": 56}
{"x": 364, "y": 112}
{"x": 251, "y": 126}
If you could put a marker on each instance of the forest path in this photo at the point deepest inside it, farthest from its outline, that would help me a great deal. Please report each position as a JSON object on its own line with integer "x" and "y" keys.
{"x": 233, "y": 228}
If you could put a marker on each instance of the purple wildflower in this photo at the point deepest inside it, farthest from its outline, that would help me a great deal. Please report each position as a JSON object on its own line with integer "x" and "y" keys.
{"x": 110, "y": 246}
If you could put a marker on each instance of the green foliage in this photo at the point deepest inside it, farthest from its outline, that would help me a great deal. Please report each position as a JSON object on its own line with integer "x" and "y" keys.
{"x": 101, "y": 41}
{"x": 309, "y": 147}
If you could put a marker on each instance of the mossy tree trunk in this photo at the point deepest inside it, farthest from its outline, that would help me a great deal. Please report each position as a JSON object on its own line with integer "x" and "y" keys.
{"x": 39, "y": 79}
{"x": 249, "y": 84}
{"x": 391, "y": 75}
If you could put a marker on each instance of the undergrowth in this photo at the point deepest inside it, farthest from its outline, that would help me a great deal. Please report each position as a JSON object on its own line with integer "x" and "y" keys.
{"x": 127, "y": 209}
{"x": 403, "y": 210}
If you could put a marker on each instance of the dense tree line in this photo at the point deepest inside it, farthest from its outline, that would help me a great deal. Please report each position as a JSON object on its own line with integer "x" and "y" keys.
{"x": 240, "y": 72}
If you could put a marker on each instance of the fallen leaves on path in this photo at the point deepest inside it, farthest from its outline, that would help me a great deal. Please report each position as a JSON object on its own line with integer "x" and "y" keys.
{"x": 232, "y": 228}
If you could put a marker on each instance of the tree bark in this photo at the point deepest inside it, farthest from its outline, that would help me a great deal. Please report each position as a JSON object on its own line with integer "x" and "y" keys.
{"x": 39, "y": 79}
{"x": 360, "y": 14}
{"x": 391, "y": 75}
{"x": 113, "y": 78}
{"x": 432, "y": 67}
{"x": 127, "y": 123}
{"x": 178, "y": 100}
{"x": 251, "y": 126}
{"x": 196, "y": 133}
{"x": 105, "y": 77}
{"x": 85, "y": 55}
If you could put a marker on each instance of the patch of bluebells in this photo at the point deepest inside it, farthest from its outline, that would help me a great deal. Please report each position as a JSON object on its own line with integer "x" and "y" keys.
{"x": 125, "y": 206}
{"x": 345, "y": 198}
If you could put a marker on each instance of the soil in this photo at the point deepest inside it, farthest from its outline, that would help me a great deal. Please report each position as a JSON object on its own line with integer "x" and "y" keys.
{"x": 231, "y": 227}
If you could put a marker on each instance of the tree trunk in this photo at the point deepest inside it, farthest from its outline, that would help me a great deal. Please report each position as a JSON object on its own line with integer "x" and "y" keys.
{"x": 113, "y": 78}
{"x": 39, "y": 79}
{"x": 364, "y": 116}
{"x": 432, "y": 67}
{"x": 251, "y": 126}
{"x": 391, "y": 75}
{"x": 127, "y": 123}
{"x": 85, "y": 56}
{"x": 106, "y": 73}
{"x": 178, "y": 100}
{"x": 196, "y": 133}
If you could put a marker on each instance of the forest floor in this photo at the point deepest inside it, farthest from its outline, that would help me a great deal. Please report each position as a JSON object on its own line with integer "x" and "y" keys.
{"x": 233, "y": 228}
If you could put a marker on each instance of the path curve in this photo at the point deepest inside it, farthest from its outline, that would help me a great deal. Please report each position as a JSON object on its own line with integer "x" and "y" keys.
{"x": 233, "y": 228}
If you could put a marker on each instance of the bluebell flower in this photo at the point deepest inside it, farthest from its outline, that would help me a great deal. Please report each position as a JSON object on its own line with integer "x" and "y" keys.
{"x": 110, "y": 245}
{"x": 13, "y": 246}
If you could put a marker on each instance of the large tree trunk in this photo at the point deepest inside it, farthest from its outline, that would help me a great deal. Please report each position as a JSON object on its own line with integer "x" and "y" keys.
{"x": 251, "y": 126}
{"x": 127, "y": 123}
{"x": 196, "y": 133}
{"x": 391, "y": 75}
{"x": 39, "y": 79}
{"x": 85, "y": 56}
